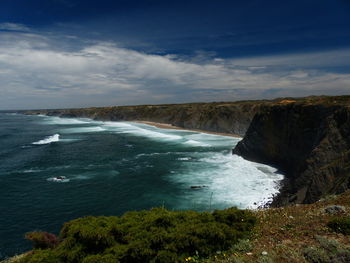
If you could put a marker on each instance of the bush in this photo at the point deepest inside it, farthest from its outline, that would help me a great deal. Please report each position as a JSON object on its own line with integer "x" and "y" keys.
{"x": 243, "y": 246}
{"x": 100, "y": 259}
{"x": 328, "y": 251}
{"x": 42, "y": 240}
{"x": 158, "y": 236}
{"x": 340, "y": 225}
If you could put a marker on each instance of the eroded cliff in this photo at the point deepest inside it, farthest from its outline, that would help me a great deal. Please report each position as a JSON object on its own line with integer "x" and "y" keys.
{"x": 308, "y": 140}
{"x": 231, "y": 117}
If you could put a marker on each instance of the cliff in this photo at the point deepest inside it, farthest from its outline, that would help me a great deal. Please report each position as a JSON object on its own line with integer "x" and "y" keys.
{"x": 231, "y": 117}
{"x": 308, "y": 140}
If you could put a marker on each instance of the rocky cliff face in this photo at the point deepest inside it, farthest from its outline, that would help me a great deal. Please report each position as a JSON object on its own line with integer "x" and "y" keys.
{"x": 309, "y": 141}
{"x": 233, "y": 117}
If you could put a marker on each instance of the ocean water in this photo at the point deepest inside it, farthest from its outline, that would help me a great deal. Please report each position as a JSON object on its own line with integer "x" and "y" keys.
{"x": 114, "y": 167}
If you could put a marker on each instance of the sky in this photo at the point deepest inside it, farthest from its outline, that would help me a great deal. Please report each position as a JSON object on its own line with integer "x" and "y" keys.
{"x": 83, "y": 53}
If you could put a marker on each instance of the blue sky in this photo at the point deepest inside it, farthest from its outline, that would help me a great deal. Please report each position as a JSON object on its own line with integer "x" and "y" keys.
{"x": 75, "y": 53}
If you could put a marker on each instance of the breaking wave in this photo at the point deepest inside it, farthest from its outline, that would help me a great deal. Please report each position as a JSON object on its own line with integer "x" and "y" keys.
{"x": 58, "y": 180}
{"x": 47, "y": 140}
{"x": 142, "y": 130}
{"x": 84, "y": 129}
{"x": 231, "y": 179}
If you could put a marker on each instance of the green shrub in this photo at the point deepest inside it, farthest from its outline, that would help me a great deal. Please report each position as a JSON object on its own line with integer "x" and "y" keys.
{"x": 328, "y": 251}
{"x": 100, "y": 259}
{"x": 42, "y": 240}
{"x": 243, "y": 246}
{"x": 340, "y": 225}
{"x": 41, "y": 256}
{"x": 157, "y": 236}
{"x": 316, "y": 255}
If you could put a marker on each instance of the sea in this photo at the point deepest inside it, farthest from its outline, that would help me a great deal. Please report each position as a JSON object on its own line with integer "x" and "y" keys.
{"x": 108, "y": 168}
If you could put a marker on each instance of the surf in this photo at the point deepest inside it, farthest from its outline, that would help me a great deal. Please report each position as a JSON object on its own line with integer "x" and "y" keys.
{"x": 48, "y": 140}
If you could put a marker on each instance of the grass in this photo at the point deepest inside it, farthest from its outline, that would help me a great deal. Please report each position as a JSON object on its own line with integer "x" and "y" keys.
{"x": 15, "y": 259}
{"x": 285, "y": 233}
{"x": 340, "y": 225}
{"x": 294, "y": 234}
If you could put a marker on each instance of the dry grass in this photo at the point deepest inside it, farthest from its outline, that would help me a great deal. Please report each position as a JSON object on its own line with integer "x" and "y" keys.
{"x": 285, "y": 232}
{"x": 286, "y": 101}
{"x": 15, "y": 258}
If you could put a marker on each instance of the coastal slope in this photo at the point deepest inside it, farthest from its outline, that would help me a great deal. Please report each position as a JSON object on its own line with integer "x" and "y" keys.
{"x": 308, "y": 140}
{"x": 225, "y": 117}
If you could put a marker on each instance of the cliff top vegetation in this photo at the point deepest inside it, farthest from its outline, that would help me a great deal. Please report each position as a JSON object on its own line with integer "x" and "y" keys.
{"x": 293, "y": 234}
{"x": 325, "y": 100}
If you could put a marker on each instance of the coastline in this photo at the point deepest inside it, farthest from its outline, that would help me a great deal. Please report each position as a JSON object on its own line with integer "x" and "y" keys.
{"x": 172, "y": 127}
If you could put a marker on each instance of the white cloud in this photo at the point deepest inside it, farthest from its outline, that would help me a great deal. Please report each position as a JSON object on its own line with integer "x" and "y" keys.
{"x": 37, "y": 71}
{"x": 337, "y": 57}
{"x": 13, "y": 27}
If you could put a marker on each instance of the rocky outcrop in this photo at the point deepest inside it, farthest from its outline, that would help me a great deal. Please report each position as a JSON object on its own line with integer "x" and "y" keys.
{"x": 231, "y": 117}
{"x": 309, "y": 141}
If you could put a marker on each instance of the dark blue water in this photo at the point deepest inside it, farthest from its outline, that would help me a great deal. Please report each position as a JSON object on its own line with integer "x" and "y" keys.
{"x": 111, "y": 168}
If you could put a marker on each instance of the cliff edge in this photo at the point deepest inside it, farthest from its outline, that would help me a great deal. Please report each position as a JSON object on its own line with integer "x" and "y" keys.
{"x": 225, "y": 117}
{"x": 308, "y": 140}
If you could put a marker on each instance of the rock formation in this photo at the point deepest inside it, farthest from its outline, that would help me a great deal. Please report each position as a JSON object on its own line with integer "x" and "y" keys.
{"x": 230, "y": 117}
{"x": 308, "y": 140}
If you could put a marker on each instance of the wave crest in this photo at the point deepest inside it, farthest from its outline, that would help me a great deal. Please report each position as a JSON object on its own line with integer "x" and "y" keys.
{"x": 47, "y": 140}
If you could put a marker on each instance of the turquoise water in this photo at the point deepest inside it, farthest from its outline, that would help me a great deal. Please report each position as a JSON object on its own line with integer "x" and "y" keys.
{"x": 113, "y": 167}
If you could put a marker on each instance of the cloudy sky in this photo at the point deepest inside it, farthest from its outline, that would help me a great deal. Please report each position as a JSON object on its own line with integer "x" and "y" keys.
{"x": 79, "y": 53}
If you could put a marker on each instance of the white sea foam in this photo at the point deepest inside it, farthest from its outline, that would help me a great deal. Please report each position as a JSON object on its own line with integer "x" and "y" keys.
{"x": 47, "y": 140}
{"x": 184, "y": 159}
{"x": 32, "y": 171}
{"x": 155, "y": 154}
{"x": 84, "y": 129}
{"x": 56, "y": 180}
{"x": 69, "y": 140}
{"x": 88, "y": 175}
{"x": 232, "y": 180}
{"x": 196, "y": 143}
{"x": 142, "y": 130}
{"x": 205, "y": 139}
{"x": 65, "y": 121}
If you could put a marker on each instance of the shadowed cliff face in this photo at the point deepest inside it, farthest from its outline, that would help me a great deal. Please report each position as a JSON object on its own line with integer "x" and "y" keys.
{"x": 309, "y": 142}
{"x": 233, "y": 118}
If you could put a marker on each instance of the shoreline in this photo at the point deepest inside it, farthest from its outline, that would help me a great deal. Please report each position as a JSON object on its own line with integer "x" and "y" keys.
{"x": 172, "y": 127}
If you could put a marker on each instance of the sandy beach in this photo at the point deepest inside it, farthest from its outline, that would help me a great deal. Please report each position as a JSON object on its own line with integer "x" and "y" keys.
{"x": 170, "y": 126}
